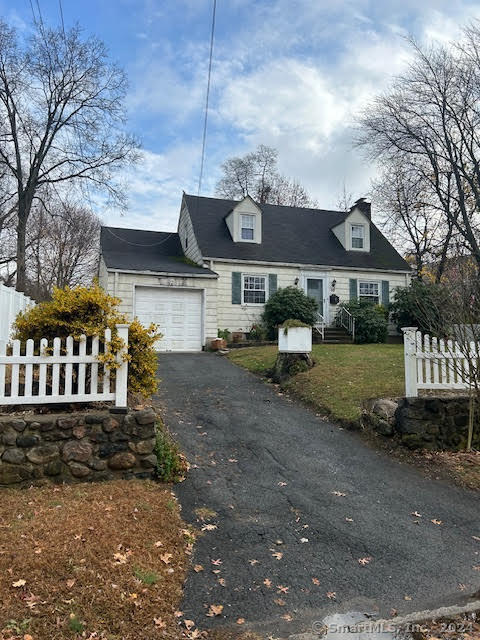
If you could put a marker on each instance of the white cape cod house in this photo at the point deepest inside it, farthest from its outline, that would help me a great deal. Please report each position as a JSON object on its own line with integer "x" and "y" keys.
{"x": 228, "y": 257}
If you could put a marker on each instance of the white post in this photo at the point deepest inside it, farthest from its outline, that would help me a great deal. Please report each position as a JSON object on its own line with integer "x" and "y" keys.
{"x": 121, "y": 378}
{"x": 409, "y": 350}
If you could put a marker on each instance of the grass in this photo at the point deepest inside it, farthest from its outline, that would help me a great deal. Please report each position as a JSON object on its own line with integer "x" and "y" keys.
{"x": 94, "y": 563}
{"x": 343, "y": 378}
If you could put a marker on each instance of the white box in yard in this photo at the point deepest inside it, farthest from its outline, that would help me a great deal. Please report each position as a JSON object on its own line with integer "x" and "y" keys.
{"x": 295, "y": 340}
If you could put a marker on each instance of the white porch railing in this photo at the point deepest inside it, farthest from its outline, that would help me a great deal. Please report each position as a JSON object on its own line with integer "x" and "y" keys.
{"x": 436, "y": 364}
{"x": 11, "y": 303}
{"x": 345, "y": 319}
{"x": 320, "y": 325}
{"x": 73, "y": 375}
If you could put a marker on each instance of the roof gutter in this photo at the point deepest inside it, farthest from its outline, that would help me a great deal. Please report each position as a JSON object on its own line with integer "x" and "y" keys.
{"x": 164, "y": 273}
{"x": 301, "y": 265}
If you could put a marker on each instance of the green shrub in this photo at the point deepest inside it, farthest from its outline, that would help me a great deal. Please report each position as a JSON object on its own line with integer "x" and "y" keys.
{"x": 419, "y": 306}
{"x": 171, "y": 463}
{"x": 258, "y": 333}
{"x": 371, "y": 323}
{"x": 292, "y": 324}
{"x": 289, "y": 303}
{"x": 90, "y": 310}
{"x": 224, "y": 334}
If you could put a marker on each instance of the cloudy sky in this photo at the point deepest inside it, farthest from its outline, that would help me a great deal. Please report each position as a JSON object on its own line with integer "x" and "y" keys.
{"x": 287, "y": 73}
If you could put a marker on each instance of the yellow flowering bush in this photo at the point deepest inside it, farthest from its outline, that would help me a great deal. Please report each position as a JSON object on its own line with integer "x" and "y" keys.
{"x": 90, "y": 310}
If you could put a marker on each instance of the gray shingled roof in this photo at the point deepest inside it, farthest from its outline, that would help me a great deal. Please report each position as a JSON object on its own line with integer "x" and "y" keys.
{"x": 135, "y": 250}
{"x": 289, "y": 234}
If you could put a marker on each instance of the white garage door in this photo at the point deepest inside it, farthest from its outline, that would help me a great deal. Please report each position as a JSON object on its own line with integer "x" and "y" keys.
{"x": 177, "y": 312}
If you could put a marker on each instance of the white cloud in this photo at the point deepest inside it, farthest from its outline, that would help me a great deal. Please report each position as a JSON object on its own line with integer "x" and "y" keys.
{"x": 291, "y": 75}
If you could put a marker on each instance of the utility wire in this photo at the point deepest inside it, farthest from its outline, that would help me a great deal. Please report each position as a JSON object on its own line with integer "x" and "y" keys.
{"x": 205, "y": 122}
{"x": 136, "y": 244}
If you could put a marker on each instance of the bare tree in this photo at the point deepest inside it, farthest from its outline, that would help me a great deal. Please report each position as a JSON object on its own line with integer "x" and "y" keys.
{"x": 256, "y": 174}
{"x": 61, "y": 120}
{"x": 345, "y": 199}
{"x": 431, "y": 116}
{"x": 62, "y": 248}
{"x": 404, "y": 204}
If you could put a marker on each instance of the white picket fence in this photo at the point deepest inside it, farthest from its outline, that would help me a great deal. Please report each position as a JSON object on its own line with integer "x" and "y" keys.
{"x": 11, "y": 303}
{"x": 431, "y": 363}
{"x": 62, "y": 375}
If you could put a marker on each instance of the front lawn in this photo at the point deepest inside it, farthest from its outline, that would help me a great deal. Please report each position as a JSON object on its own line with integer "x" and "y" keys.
{"x": 344, "y": 376}
{"x": 103, "y": 560}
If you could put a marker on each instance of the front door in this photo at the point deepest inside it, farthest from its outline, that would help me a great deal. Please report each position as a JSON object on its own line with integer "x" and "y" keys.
{"x": 315, "y": 291}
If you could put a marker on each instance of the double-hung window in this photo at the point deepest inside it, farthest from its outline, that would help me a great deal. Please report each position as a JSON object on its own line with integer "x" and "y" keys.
{"x": 254, "y": 289}
{"x": 247, "y": 223}
{"x": 358, "y": 236}
{"x": 369, "y": 291}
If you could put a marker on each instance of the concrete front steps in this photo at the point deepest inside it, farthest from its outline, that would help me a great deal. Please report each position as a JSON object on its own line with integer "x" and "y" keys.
{"x": 333, "y": 335}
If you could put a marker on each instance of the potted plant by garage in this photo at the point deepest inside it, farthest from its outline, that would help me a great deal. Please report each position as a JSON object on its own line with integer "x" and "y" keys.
{"x": 294, "y": 336}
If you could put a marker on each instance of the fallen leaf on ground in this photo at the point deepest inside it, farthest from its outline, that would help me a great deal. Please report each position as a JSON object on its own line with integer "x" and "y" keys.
{"x": 277, "y": 554}
{"x": 70, "y": 583}
{"x": 349, "y": 519}
{"x": 280, "y": 602}
{"x": 332, "y": 595}
{"x": 197, "y": 568}
{"x": 215, "y": 610}
{"x": 216, "y": 562}
{"x": 240, "y": 620}
{"x": 416, "y": 514}
{"x": 159, "y": 623}
{"x": 316, "y": 581}
{"x": 364, "y": 561}
{"x": 267, "y": 583}
{"x": 252, "y": 562}
{"x": 407, "y": 597}
{"x": 120, "y": 558}
{"x": 303, "y": 540}
{"x": 339, "y": 493}
{"x": 209, "y": 527}
{"x": 165, "y": 557}
{"x": 287, "y": 617}
{"x": 282, "y": 484}
{"x": 189, "y": 624}
{"x": 435, "y": 521}
{"x": 19, "y": 583}
{"x": 282, "y": 589}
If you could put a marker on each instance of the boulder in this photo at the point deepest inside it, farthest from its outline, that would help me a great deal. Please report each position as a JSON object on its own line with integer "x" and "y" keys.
{"x": 79, "y": 470}
{"x": 145, "y": 416}
{"x": 9, "y": 436}
{"x": 145, "y": 446}
{"x": 385, "y": 408}
{"x": 18, "y": 425}
{"x": 122, "y": 460}
{"x": 12, "y": 474}
{"x": 110, "y": 424}
{"x": 78, "y": 451}
{"x": 44, "y": 453}
{"x": 149, "y": 462}
{"x": 79, "y": 431}
{"x": 67, "y": 423}
{"x": 53, "y": 468}
{"x": 14, "y": 456}
{"x": 27, "y": 440}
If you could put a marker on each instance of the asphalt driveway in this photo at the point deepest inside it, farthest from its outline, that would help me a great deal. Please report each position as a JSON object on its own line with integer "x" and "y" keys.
{"x": 309, "y": 519}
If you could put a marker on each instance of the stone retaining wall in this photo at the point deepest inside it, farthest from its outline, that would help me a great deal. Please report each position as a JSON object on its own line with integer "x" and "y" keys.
{"x": 436, "y": 423}
{"x": 36, "y": 449}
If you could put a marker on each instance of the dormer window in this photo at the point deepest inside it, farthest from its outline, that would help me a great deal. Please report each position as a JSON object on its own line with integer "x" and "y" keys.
{"x": 358, "y": 236}
{"x": 247, "y": 227}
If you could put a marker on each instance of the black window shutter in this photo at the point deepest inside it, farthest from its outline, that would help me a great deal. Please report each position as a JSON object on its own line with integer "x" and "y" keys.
{"x": 353, "y": 289}
{"x": 385, "y": 292}
{"x": 236, "y": 287}
{"x": 272, "y": 283}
